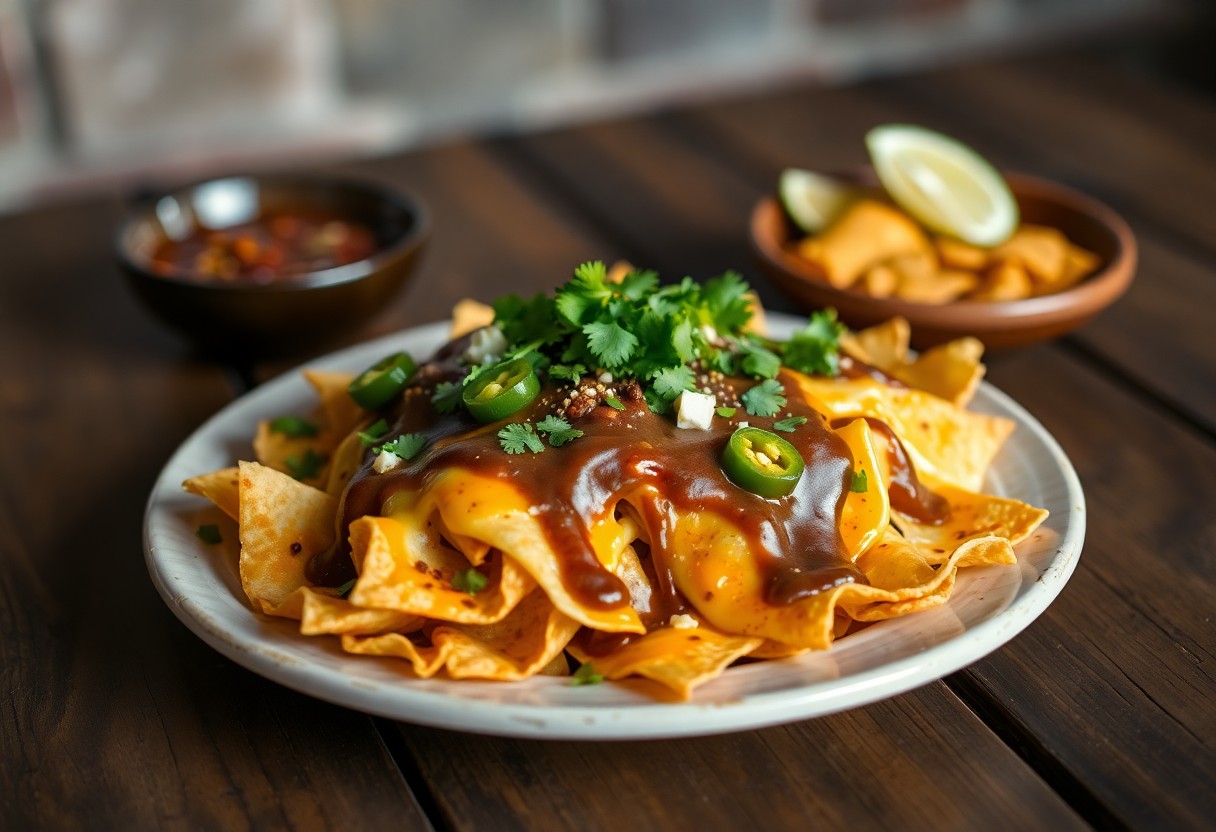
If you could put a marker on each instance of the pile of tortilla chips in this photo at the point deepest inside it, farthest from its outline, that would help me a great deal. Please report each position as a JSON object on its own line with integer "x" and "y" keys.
{"x": 877, "y": 249}
{"x": 407, "y": 604}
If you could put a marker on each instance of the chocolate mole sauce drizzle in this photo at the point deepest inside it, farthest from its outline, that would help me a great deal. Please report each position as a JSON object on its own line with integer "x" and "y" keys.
{"x": 634, "y": 456}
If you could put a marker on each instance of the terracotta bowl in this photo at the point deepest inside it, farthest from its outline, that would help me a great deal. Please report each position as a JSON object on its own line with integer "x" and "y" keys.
{"x": 280, "y": 318}
{"x": 999, "y": 324}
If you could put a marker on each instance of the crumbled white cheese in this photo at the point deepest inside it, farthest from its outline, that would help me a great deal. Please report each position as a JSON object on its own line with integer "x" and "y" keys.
{"x": 486, "y": 345}
{"x": 745, "y": 424}
{"x": 683, "y": 622}
{"x": 605, "y": 377}
{"x": 711, "y": 335}
{"x": 386, "y": 461}
{"x": 694, "y": 410}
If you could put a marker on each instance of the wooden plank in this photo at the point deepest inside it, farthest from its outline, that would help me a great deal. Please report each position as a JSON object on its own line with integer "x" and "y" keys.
{"x": 1157, "y": 334}
{"x": 916, "y": 762}
{"x": 1116, "y": 681}
{"x": 115, "y": 715}
{"x": 1147, "y": 474}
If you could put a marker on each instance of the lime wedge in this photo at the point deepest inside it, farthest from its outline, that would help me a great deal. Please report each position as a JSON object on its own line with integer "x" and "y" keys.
{"x": 813, "y": 200}
{"x": 942, "y": 183}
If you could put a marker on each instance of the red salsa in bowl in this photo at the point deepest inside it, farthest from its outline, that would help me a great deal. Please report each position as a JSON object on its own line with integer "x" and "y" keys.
{"x": 275, "y": 247}
{"x": 271, "y": 264}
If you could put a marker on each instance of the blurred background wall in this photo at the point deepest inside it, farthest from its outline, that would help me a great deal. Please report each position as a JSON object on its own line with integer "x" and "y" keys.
{"x": 95, "y": 92}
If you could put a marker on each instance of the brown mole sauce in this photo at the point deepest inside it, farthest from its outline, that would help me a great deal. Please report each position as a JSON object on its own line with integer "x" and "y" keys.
{"x": 634, "y": 455}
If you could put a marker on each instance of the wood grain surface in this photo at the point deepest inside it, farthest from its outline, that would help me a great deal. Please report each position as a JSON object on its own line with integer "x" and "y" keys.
{"x": 1102, "y": 713}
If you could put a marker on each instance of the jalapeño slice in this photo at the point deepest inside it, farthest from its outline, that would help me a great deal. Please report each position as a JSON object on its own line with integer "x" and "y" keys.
{"x": 762, "y": 463}
{"x": 380, "y": 383}
{"x": 501, "y": 390}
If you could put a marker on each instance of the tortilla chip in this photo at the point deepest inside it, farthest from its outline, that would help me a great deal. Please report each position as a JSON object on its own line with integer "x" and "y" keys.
{"x": 1078, "y": 265}
{"x": 972, "y": 516}
{"x": 529, "y": 640}
{"x": 404, "y": 566}
{"x": 220, "y": 487}
{"x": 884, "y": 346}
{"x": 953, "y": 445}
{"x": 341, "y": 414}
{"x": 1005, "y": 281}
{"x": 283, "y": 523}
{"x": 1039, "y": 249}
{"x": 955, "y": 254}
{"x": 879, "y": 281}
{"x": 902, "y": 580}
{"x": 468, "y": 315}
{"x": 321, "y": 613}
{"x": 494, "y": 512}
{"x": 866, "y": 234}
{"x": 951, "y": 371}
{"x": 931, "y": 287}
{"x": 679, "y": 658}
{"x": 866, "y": 512}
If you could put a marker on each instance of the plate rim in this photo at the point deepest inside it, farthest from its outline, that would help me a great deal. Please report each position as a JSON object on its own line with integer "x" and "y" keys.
{"x": 652, "y": 720}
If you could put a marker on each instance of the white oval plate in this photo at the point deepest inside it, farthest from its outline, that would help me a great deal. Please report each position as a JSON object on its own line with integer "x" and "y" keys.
{"x": 990, "y": 605}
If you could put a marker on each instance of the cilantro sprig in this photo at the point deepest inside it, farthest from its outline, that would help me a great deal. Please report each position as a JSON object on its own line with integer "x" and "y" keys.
{"x": 306, "y": 466}
{"x": 470, "y": 581}
{"x": 791, "y": 424}
{"x": 373, "y": 433}
{"x": 558, "y": 430}
{"x": 586, "y": 675}
{"x": 518, "y": 437}
{"x": 446, "y": 397}
{"x": 293, "y": 426}
{"x": 661, "y": 336}
{"x": 765, "y": 399}
{"x": 860, "y": 483}
{"x": 407, "y": 445}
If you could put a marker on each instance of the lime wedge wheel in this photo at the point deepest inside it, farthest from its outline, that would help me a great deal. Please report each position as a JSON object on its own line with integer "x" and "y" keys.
{"x": 943, "y": 184}
{"x": 813, "y": 200}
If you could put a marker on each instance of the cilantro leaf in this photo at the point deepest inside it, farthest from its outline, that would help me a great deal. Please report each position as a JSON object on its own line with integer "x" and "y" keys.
{"x": 765, "y": 399}
{"x": 726, "y": 300}
{"x": 306, "y": 466}
{"x": 726, "y": 412}
{"x": 210, "y": 533}
{"x": 470, "y": 581}
{"x": 638, "y": 284}
{"x": 293, "y": 426}
{"x": 518, "y": 437}
{"x": 655, "y": 402}
{"x": 614, "y": 402}
{"x": 406, "y": 446}
{"x": 523, "y": 321}
{"x": 570, "y": 372}
{"x": 373, "y": 434}
{"x": 791, "y": 424}
{"x": 345, "y": 588}
{"x": 816, "y": 347}
{"x": 610, "y": 342}
{"x": 758, "y": 361}
{"x": 586, "y": 292}
{"x": 558, "y": 429}
{"x": 586, "y": 675}
{"x": 446, "y": 397}
{"x": 670, "y": 382}
{"x": 860, "y": 483}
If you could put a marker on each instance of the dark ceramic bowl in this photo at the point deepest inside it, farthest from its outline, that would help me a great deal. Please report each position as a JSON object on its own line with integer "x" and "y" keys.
{"x": 999, "y": 324}
{"x": 287, "y": 316}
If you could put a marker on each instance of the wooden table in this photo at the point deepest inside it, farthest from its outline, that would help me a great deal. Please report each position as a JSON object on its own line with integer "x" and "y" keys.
{"x": 1103, "y": 713}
